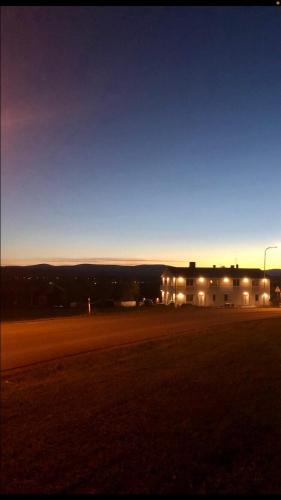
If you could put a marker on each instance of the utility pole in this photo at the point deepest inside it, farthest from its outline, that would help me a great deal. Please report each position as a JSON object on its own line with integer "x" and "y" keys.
{"x": 264, "y": 264}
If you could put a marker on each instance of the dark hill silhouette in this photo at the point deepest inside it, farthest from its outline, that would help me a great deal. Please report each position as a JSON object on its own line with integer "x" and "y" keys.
{"x": 274, "y": 272}
{"x": 145, "y": 271}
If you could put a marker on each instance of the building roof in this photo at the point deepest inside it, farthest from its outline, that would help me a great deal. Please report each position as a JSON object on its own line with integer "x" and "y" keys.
{"x": 215, "y": 272}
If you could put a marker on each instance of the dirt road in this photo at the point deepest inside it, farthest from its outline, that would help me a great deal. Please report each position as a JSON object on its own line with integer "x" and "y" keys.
{"x": 29, "y": 342}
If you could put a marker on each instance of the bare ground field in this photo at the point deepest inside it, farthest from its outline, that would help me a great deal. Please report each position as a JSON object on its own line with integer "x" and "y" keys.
{"x": 196, "y": 410}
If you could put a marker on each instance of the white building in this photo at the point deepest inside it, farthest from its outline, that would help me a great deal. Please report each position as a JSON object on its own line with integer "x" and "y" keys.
{"x": 214, "y": 286}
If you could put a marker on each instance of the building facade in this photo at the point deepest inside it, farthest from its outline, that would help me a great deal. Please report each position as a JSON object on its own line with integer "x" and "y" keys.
{"x": 215, "y": 286}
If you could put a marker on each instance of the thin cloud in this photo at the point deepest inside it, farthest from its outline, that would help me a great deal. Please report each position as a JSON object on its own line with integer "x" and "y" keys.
{"x": 90, "y": 260}
{"x": 13, "y": 119}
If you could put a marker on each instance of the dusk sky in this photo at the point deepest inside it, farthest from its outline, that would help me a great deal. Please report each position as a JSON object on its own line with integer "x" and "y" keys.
{"x": 141, "y": 134}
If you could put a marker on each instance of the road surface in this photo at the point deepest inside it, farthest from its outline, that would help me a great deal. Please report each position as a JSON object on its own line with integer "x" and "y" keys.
{"x": 24, "y": 343}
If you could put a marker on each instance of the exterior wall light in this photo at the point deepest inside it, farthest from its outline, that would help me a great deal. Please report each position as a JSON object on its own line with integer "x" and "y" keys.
{"x": 201, "y": 293}
{"x": 246, "y": 280}
{"x": 201, "y": 279}
{"x": 180, "y": 279}
{"x": 225, "y": 280}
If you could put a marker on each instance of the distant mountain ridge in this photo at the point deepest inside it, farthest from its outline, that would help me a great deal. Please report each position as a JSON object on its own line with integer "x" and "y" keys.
{"x": 146, "y": 271}
{"x": 274, "y": 272}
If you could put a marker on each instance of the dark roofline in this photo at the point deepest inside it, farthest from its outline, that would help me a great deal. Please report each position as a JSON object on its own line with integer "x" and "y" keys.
{"x": 216, "y": 272}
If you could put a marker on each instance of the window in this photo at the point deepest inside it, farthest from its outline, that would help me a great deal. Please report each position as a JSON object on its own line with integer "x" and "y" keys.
{"x": 214, "y": 298}
{"x": 255, "y": 282}
{"x": 256, "y": 297}
{"x": 214, "y": 282}
{"x": 189, "y": 282}
{"x": 189, "y": 298}
{"x": 236, "y": 282}
{"x": 226, "y": 297}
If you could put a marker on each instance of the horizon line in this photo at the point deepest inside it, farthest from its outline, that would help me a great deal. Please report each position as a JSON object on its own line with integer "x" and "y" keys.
{"x": 129, "y": 261}
{"x": 125, "y": 265}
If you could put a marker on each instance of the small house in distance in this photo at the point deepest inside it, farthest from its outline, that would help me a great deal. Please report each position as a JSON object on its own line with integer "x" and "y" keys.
{"x": 214, "y": 286}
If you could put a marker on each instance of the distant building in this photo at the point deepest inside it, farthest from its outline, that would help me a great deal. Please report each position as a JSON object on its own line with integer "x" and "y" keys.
{"x": 214, "y": 286}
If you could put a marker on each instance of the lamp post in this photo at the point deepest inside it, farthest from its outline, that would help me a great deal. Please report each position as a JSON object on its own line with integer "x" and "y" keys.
{"x": 264, "y": 263}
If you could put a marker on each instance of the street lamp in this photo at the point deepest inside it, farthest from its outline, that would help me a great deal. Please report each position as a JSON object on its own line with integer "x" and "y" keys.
{"x": 264, "y": 261}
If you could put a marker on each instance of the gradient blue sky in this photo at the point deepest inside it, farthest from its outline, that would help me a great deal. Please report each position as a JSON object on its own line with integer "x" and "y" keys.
{"x": 141, "y": 134}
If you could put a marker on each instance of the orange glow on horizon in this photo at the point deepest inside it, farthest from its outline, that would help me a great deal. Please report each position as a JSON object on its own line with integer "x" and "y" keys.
{"x": 247, "y": 257}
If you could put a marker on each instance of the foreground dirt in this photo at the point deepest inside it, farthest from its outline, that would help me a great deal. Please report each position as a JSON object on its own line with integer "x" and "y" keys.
{"x": 27, "y": 342}
{"x": 197, "y": 413}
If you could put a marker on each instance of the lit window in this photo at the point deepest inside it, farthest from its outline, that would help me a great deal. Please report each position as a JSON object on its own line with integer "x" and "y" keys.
{"x": 214, "y": 282}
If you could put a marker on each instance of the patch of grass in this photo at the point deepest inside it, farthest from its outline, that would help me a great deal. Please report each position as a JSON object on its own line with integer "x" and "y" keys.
{"x": 189, "y": 414}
